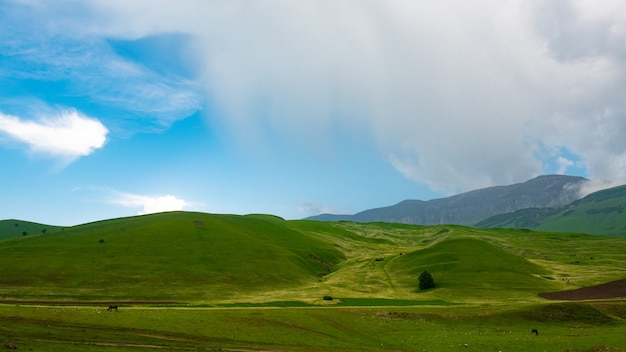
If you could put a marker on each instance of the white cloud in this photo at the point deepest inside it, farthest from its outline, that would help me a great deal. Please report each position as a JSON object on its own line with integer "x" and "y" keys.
{"x": 68, "y": 134}
{"x": 149, "y": 204}
{"x": 595, "y": 185}
{"x": 563, "y": 164}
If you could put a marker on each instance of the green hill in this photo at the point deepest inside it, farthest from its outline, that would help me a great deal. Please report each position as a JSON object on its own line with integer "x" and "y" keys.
{"x": 14, "y": 228}
{"x": 472, "y": 266}
{"x": 170, "y": 256}
{"x": 600, "y": 213}
{"x": 200, "y": 258}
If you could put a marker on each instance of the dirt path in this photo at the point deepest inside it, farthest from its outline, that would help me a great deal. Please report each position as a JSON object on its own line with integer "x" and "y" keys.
{"x": 613, "y": 289}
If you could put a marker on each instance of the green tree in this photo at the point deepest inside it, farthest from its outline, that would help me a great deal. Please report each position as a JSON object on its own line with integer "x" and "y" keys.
{"x": 426, "y": 281}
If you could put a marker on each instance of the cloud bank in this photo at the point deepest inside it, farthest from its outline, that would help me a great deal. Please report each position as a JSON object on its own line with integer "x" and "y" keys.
{"x": 67, "y": 135}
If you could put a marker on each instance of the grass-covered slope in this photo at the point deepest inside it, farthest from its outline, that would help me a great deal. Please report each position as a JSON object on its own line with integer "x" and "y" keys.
{"x": 170, "y": 256}
{"x": 472, "y": 266}
{"x": 599, "y": 213}
{"x": 528, "y": 218}
{"x": 221, "y": 259}
{"x": 14, "y": 228}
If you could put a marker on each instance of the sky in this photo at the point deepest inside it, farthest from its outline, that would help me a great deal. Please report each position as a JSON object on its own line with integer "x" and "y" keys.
{"x": 112, "y": 108}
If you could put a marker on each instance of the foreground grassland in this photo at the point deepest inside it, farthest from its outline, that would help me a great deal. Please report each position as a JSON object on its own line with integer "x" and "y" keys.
{"x": 562, "y": 327}
{"x": 194, "y": 281}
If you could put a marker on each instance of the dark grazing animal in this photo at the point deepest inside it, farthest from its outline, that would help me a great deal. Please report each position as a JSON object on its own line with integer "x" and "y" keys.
{"x": 111, "y": 307}
{"x": 534, "y": 332}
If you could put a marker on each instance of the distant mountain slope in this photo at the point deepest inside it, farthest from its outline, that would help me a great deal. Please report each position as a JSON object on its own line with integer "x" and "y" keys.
{"x": 601, "y": 212}
{"x": 521, "y": 219}
{"x": 471, "y": 207}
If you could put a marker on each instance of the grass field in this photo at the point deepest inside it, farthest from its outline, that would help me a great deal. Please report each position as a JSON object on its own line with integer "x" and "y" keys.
{"x": 562, "y": 327}
{"x": 194, "y": 281}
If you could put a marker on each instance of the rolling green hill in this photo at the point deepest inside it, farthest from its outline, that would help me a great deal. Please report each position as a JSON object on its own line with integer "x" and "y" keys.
{"x": 203, "y": 258}
{"x": 474, "y": 267}
{"x": 171, "y": 256}
{"x": 600, "y": 213}
{"x": 14, "y": 228}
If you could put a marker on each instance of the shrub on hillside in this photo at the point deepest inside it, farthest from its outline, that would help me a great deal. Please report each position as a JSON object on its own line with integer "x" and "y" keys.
{"x": 426, "y": 281}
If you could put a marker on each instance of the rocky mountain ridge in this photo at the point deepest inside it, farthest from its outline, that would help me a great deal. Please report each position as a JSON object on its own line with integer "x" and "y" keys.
{"x": 546, "y": 191}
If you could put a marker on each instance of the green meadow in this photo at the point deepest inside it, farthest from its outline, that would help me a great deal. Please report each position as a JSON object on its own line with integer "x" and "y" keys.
{"x": 196, "y": 281}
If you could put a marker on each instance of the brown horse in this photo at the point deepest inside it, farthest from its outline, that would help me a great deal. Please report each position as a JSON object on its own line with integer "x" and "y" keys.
{"x": 111, "y": 307}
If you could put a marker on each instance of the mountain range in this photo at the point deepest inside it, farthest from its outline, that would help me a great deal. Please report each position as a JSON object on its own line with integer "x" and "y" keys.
{"x": 599, "y": 213}
{"x": 474, "y": 206}
{"x": 548, "y": 202}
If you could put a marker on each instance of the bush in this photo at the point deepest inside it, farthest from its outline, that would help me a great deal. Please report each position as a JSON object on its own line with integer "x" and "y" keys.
{"x": 426, "y": 281}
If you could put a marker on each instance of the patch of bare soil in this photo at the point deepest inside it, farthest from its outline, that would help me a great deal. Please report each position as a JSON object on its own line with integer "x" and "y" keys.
{"x": 613, "y": 289}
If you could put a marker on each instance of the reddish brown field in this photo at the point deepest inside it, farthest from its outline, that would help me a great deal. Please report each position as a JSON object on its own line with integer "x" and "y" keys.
{"x": 613, "y": 289}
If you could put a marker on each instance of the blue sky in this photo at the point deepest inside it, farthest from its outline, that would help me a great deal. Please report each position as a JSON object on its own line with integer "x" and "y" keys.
{"x": 119, "y": 108}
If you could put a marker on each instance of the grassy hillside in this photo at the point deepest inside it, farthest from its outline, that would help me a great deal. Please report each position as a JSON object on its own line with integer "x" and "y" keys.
{"x": 599, "y": 213}
{"x": 14, "y": 228}
{"x": 528, "y": 218}
{"x": 472, "y": 266}
{"x": 202, "y": 258}
{"x": 256, "y": 283}
{"x": 171, "y": 256}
